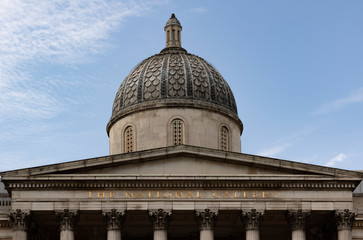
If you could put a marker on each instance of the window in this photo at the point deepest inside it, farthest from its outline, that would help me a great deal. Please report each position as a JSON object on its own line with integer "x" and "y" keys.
{"x": 224, "y": 139}
{"x": 177, "y": 128}
{"x": 129, "y": 139}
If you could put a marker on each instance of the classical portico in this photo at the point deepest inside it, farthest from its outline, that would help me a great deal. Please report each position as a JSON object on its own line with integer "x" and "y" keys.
{"x": 96, "y": 198}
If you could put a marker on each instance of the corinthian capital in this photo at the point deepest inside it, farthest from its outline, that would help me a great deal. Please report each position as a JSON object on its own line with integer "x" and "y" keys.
{"x": 252, "y": 219}
{"x": 160, "y": 218}
{"x": 297, "y": 218}
{"x": 113, "y": 218}
{"x": 67, "y": 219}
{"x": 19, "y": 220}
{"x": 345, "y": 219}
{"x": 206, "y": 218}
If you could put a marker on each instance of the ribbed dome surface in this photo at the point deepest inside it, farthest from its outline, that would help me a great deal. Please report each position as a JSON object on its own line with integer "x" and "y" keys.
{"x": 173, "y": 74}
{"x": 173, "y": 78}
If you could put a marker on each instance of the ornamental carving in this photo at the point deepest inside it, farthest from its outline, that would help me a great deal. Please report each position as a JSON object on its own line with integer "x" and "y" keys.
{"x": 152, "y": 86}
{"x": 113, "y": 218}
{"x": 206, "y": 219}
{"x": 173, "y": 75}
{"x": 176, "y": 77}
{"x": 67, "y": 219}
{"x": 19, "y": 220}
{"x": 345, "y": 219}
{"x": 297, "y": 219}
{"x": 200, "y": 79}
{"x": 131, "y": 85}
{"x": 252, "y": 219}
{"x": 160, "y": 218}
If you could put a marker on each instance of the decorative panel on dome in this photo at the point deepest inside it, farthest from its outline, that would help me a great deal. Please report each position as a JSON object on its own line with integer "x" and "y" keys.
{"x": 152, "y": 84}
{"x": 176, "y": 77}
{"x": 130, "y": 92}
{"x": 199, "y": 78}
{"x": 221, "y": 94}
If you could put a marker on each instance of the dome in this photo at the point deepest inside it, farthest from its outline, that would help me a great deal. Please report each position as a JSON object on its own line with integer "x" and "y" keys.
{"x": 173, "y": 77}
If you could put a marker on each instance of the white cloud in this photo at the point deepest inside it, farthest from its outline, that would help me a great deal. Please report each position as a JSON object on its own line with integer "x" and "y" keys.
{"x": 338, "y": 158}
{"x": 200, "y": 10}
{"x": 270, "y": 152}
{"x": 354, "y": 97}
{"x": 53, "y": 32}
{"x": 283, "y": 143}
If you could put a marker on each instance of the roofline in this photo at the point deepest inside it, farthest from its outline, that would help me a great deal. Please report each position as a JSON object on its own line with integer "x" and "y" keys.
{"x": 186, "y": 150}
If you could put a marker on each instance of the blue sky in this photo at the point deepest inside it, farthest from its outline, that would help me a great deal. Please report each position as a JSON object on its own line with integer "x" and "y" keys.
{"x": 296, "y": 69}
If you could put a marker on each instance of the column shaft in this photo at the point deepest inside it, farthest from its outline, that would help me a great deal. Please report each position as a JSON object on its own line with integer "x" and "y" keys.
{"x": 206, "y": 234}
{"x": 160, "y": 234}
{"x": 345, "y": 235}
{"x": 298, "y": 234}
{"x": 66, "y": 235}
{"x": 252, "y": 234}
{"x": 19, "y": 235}
{"x": 113, "y": 234}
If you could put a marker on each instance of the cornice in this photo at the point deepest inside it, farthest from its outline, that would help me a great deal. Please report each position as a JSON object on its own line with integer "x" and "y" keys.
{"x": 190, "y": 183}
{"x": 185, "y": 151}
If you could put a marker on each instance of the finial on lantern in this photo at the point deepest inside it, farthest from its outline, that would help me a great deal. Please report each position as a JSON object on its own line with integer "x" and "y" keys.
{"x": 173, "y": 32}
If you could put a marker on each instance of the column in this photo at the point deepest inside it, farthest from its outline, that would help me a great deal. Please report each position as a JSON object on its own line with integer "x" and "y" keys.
{"x": 345, "y": 220}
{"x": 160, "y": 219}
{"x": 19, "y": 223}
{"x": 113, "y": 220}
{"x": 67, "y": 220}
{"x": 251, "y": 221}
{"x": 206, "y": 220}
{"x": 297, "y": 220}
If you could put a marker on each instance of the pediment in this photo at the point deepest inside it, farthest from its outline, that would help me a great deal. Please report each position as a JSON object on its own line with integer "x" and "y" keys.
{"x": 180, "y": 161}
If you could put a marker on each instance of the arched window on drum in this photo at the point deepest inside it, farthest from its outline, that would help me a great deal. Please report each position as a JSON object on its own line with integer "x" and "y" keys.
{"x": 224, "y": 143}
{"x": 129, "y": 139}
{"x": 177, "y": 129}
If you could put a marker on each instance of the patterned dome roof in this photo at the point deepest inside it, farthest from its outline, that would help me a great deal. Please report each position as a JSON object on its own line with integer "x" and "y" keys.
{"x": 173, "y": 77}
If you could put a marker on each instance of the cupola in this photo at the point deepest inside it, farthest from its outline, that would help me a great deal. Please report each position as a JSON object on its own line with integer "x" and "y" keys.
{"x": 174, "y": 98}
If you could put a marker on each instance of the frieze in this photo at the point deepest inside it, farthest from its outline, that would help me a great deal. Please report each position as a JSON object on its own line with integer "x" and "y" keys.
{"x": 172, "y": 194}
{"x": 177, "y": 194}
{"x": 358, "y": 224}
{"x": 174, "y": 184}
